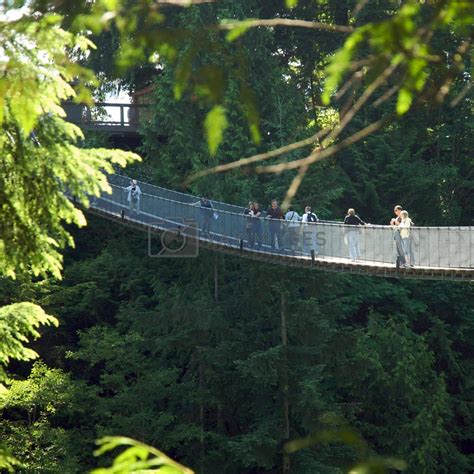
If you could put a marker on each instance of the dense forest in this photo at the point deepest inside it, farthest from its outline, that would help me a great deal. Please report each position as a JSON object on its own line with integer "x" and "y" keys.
{"x": 220, "y": 361}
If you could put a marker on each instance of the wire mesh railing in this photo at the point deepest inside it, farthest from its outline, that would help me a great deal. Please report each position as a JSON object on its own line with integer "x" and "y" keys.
{"x": 425, "y": 247}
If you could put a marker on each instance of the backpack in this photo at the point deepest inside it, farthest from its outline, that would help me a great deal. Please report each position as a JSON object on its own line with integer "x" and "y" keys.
{"x": 312, "y": 217}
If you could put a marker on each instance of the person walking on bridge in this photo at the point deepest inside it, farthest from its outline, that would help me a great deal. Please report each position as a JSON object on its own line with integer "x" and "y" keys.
{"x": 310, "y": 240}
{"x": 257, "y": 224}
{"x": 133, "y": 197}
{"x": 293, "y": 220}
{"x": 405, "y": 235}
{"x": 275, "y": 214}
{"x": 352, "y": 232}
{"x": 207, "y": 213}
{"x": 249, "y": 229}
{"x": 394, "y": 223}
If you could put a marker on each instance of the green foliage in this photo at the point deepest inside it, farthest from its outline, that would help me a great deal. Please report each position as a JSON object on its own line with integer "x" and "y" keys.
{"x": 40, "y": 160}
{"x": 188, "y": 355}
{"x": 8, "y": 463}
{"x": 291, "y": 3}
{"x": 406, "y": 40}
{"x": 137, "y": 457}
{"x": 215, "y": 125}
{"x": 37, "y": 414}
{"x": 210, "y": 373}
{"x": 334, "y": 430}
{"x": 238, "y": 28}
{"x": 18, "y": 323}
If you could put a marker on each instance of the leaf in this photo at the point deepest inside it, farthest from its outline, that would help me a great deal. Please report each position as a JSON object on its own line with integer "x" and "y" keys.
{"x": 215, "y": 125}
{"x": 291, "y": 3}
{"x": 248, "y": 101}
{"x": 138, "y": 457}
{"x": 404, "y": 100}
{"x": 239, "y": 28}
{"x": 183, "y": 73}
{"x": 340, "y": 63}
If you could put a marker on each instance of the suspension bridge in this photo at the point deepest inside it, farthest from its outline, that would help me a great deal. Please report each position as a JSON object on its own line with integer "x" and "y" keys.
{"x": 439, "y": 253}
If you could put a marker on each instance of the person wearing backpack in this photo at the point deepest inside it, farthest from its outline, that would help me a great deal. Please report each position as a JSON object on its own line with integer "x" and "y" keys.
{"x": 293, "y": 220}
{"x": 133, "y": 197}
{"x": 309, "y": 230}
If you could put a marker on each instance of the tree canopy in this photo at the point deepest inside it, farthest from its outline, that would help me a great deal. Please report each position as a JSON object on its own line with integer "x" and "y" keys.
{"x": 231, "y": 366}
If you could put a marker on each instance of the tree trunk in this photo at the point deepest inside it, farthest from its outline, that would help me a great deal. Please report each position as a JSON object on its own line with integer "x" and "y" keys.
{"x": 286, "y": 404}
{"x": 201, "y": 416}
{"x": 216, "y": 279}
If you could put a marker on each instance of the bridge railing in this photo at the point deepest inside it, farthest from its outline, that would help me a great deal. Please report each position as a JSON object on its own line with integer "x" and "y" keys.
{"x": 428, "y": 247}
{"x": 106, "y": 114}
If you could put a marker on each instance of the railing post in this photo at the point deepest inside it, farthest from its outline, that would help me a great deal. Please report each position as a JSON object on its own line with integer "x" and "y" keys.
{"x": 241, "y": 244}
{"x": 122, "y": 118}
{"x": 122, "y": 213}
{"x": 312, "y": 256}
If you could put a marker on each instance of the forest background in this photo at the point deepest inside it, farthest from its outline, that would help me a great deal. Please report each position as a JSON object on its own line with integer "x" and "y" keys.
{"x": 220, "y": 361}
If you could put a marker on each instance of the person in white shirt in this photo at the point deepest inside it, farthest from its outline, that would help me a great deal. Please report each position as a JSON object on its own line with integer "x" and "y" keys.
{"x": 309, "y": 230}
{"x": 405, "y": 234}
{"x": 293, "y": 220}
{"x": 133, "y": 197}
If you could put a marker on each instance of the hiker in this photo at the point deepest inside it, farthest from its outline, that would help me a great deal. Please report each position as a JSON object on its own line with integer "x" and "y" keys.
{"x": 309, "y": 230}
{"x": 394, "y": 223}
{"x": 249, "y": 227}
{"x": 275, "y": 214}
{"x": 352, "y": 233}
{"x": 293, "y": 220}
{"x": 133, "y": 197}
{"x": 207, "y": 214}
{"x": 257, "y": 224}
{"x": 405, "y": 235}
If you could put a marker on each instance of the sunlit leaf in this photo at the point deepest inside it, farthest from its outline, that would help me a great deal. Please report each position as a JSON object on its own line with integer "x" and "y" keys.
{"x": 404, "y": 100}
{"x": 239, "y": 28}
{"x": 215, "y": 125}
{"x": 137, "y": 457}
{"x": 249, "y": 107}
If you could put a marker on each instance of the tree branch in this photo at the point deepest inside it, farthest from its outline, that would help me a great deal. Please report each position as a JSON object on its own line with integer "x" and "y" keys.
{"x": 319, "y": 154}
{"x": 314, "y": 25}
{"x": 294, "y": 186}
{"x": 260, "y": 157}
{"x": 183, "y": 3}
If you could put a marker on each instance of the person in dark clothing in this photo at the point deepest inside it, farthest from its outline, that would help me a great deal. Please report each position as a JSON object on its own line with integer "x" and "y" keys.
{"x": 249, "y": 228}
{"x": 257, "y": 224}
{"x": 352, "y": 233}
{"x": 394, "y": 223}
{"x": 207, "y": 211}
{"x": 310, "y": 239}
{"x": 275, "y": 214}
